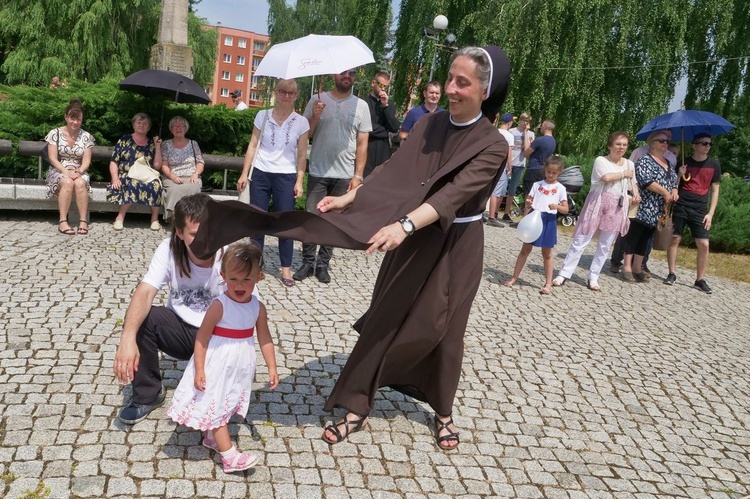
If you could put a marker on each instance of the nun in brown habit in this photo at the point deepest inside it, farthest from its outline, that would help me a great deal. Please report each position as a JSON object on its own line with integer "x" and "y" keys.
{"x": 423, "y": 207}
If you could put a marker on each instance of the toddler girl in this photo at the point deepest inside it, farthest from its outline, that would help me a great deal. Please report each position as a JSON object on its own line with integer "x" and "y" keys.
{"x": 218, "y": 379}
{"x": 548, "y": 196}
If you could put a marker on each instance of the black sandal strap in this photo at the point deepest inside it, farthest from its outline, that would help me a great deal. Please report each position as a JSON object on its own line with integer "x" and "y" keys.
{"x": 334, "y": 428}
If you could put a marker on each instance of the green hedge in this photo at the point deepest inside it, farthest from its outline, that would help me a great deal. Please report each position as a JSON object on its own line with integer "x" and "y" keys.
{"x": 730, "y": 232}
{"x": 28, "y": 113}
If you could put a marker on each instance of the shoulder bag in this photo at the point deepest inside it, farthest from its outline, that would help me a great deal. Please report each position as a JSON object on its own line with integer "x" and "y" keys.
{"x": 141, "y": 171}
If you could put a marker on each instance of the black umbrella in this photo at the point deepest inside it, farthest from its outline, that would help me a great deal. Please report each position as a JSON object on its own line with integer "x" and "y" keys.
{"x": 152, "y": 82}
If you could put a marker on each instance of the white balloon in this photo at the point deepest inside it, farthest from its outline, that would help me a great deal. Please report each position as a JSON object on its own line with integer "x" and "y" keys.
{"x": 530, "y": 227}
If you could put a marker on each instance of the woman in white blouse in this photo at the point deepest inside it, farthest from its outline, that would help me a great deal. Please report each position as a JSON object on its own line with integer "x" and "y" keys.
{"x": 280, "y": 138}
{"x": 605, "y": 210}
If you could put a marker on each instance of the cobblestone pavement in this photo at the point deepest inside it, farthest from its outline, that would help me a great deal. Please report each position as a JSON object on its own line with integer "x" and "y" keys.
{"x": 641, "y": 390}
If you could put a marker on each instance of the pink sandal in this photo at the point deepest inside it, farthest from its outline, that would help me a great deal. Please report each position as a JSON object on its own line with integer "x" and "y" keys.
{"x": 210, "y": 444}
{"x": 239, "y": 462}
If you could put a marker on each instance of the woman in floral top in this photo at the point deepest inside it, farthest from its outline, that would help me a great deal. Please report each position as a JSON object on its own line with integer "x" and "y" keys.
{"x": 125, "y": 191}
{"x": 280, "y": 136}
{"x": 182, "y": 165}
{"x": 657, "y": 183}
{"x": 69, "y": 150}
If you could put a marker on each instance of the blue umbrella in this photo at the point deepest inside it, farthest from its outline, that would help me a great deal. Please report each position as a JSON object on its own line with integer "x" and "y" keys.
{"x": 685, "y": 124}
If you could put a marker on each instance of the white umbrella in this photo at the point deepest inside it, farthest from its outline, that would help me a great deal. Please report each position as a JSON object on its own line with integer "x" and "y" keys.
{"x": 314, "y": 55}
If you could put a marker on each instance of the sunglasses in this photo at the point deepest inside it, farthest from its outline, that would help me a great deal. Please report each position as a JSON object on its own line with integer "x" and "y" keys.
{"x": 382, "y": 86}
{"x": 704, "y": 143}
{"x": 661, "y": 141}
{"x": 351, "y": 72}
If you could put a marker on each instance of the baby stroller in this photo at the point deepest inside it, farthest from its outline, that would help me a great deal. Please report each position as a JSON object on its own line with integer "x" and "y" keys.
{"x": 572, "y": 179}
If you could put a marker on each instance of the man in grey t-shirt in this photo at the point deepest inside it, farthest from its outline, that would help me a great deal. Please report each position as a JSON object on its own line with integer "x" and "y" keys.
{"x": 339, "y": 126}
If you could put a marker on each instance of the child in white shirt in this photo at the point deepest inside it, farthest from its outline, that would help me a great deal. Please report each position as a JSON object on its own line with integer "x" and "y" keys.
{"x": 550, "y": 197}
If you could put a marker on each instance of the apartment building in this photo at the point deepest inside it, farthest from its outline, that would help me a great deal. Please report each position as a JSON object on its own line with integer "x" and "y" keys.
{"x": 239, "y": 54}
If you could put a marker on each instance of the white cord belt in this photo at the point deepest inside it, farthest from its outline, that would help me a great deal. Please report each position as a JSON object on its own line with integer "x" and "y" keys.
{"x": 465, "y": 220}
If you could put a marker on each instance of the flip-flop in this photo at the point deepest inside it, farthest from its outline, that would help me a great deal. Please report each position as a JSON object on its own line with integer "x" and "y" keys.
{"x": 545, "y": 291}
{"x": 627, "y": 276}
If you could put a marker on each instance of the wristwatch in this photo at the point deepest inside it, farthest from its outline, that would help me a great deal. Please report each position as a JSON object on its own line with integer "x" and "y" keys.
{"x": 407, "y": 225}
{"x": 359, "y": 177}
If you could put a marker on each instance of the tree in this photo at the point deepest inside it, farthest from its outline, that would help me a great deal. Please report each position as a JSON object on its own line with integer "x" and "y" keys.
{"x": 86, "y": 39}
{"x": 204, "y": 42}
{"x": 597, "y": 65}
{"x": 367, "y": 20}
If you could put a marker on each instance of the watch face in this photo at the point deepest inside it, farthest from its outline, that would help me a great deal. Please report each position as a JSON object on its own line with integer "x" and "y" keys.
{"x": 408, "y": 225}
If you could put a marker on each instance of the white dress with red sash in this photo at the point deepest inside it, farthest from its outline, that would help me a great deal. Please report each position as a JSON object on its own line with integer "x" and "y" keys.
{"x": 230, "y": 369}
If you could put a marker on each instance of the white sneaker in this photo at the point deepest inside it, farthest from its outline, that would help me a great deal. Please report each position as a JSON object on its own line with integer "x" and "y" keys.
{"x": 118, "y": 225}
{"x": 155, "y": 225}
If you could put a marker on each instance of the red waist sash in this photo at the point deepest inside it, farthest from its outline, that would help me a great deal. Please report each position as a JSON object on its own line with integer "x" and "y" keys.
{"x": 233, "y": 333}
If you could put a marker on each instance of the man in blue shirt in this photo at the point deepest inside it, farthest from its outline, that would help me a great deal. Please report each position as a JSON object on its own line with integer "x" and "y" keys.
{"x": 538, "y": 151}
{"x": 432, "y": 93}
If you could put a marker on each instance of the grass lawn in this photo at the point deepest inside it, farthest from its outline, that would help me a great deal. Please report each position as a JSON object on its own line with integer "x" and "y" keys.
{"x": 724, "y": 265}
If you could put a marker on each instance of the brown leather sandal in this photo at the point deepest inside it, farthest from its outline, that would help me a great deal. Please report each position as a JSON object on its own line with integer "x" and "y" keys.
{"x": 357, "y": 424}
{"x": 70, "y": 231}
{"x": 83, "y": 230}
{"x": 452, "y": 436}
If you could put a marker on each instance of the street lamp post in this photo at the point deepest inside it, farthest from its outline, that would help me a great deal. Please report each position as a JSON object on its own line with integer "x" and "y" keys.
{"x": 439, "y": 24}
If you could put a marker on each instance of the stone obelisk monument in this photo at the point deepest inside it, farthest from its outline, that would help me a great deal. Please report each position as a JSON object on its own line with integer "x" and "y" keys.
{"x": 171, "y": 51}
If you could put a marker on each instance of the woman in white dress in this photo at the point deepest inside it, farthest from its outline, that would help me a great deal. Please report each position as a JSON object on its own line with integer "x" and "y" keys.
{"x": 69, "y": 151}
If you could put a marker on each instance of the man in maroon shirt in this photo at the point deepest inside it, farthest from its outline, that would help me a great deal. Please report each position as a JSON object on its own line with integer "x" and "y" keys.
{"x": 699, "y": 175}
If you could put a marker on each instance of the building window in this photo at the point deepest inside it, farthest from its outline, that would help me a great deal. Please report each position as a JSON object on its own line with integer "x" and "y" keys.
{"x": 225, "y": 75}
{"x": 225, "y": 92}
{"x": 242, "y": 43}
{"x": 254, "y": 96}
{"x": 228, "y": 41}
{"x": 256, "y": 62}
{"x": 239, "y": 77}
{"x": 241, "y": 60}
{"x": 259, "y": 46}
{"x": 256, "y": 80}
{"x": 227, "y": 57}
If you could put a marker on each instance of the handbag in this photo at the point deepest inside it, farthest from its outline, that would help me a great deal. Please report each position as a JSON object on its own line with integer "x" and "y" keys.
{"x": 664, "y": 230}
{"x": 244, "y": 196}
{"x": 141, "y": 171}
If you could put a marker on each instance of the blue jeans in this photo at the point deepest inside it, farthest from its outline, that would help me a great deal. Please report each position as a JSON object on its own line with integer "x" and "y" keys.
{"x": 515, "y": 179}
{"x": 317, "y": 189}
{"x": 266, "y": 186}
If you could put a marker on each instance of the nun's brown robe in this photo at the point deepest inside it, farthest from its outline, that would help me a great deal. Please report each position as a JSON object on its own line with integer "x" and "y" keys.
{"x": 411, "y": 338}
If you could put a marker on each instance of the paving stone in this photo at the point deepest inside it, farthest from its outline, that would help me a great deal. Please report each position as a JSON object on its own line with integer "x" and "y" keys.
{"x": 647, "y": 410}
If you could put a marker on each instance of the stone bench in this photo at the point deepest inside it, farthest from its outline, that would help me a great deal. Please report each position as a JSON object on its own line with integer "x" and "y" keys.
{"x": 31, "y": 194}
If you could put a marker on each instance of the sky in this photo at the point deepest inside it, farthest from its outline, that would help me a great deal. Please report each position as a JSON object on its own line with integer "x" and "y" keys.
{"x": 252, "y": 15}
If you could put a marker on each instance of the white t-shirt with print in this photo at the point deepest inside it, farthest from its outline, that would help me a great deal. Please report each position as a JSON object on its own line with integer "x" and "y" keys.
{"x": 189, "y": 297}
{"x": 549, "y": 193}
